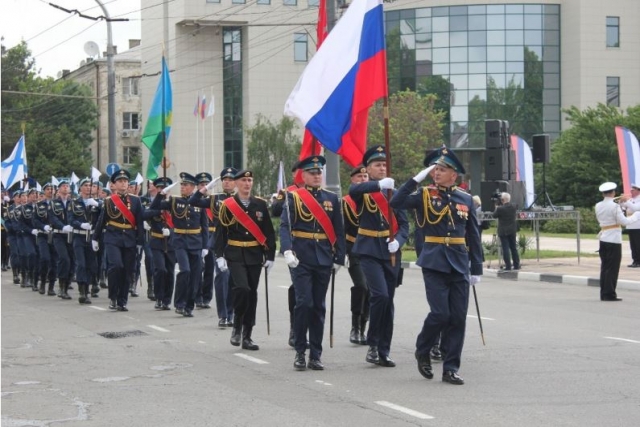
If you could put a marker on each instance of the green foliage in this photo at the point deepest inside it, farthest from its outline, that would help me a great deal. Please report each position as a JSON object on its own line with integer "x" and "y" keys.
{"x": 586, "y": 155}
{"x": 268, "y": 144}
{"x": 524, "y": 242}
{"x": 588, "y": 224}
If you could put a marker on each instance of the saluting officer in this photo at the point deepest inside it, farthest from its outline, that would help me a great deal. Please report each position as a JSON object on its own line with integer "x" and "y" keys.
{"x": 312, "y": 238}
{"x": 375, "y": 247}
{"x": 191, "y": 234}
{"x": 451, "y": 252}
{"x": 245, "y": 242}
{"x": 204, "y": 294}
{"x": 121, "y": 223}
{"x": 58, "y": 219}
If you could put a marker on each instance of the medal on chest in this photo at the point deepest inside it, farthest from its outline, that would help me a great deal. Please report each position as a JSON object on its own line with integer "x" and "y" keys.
{"x": 462, "y": 211}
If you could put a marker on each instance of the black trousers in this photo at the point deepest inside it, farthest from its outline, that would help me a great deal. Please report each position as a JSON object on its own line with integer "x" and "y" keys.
{"x": 164, "y": 264}
{"x": 65, "y": 253}
{"x": 610, "y": 258}
{"x": 634, "y": 242}
{"x": 121, "y": 263}
{"x": 188, "y": 280}
{"x": 246, "y": 279}
{"x": 205, "y": 290}
{"x": 359, "y": 291}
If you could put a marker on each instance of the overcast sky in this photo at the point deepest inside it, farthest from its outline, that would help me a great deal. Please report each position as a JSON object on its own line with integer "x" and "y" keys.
{"x": 56, "y": 38}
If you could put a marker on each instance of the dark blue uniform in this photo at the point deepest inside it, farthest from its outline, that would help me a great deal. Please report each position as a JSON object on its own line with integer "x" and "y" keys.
{"x": 12, "y": 237}
{"x": 26, "y": 243}
{"x": 46, "y": 250}
{"x": 164, "y": 257}
{"x": 58, "y": 212}
{"x": 86, "y": 265}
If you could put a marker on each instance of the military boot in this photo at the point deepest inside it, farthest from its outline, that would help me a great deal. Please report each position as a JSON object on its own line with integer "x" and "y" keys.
{"x": 292, "y": 339}
{"x": 103, "y": 280}
{"x": 94, "y": 287}
{"x": 24, "y": 281}
{"x": 354, "y": 336}
{"x": 34, "y": 282}
{"x": 247, "y": 342}
{"x": 87, "y": 300}
{"x": 150, "y": 294}
{"x": 236, "y": 332}
{"x": 52, "y": 285}
{"x": 363, "y": 328}
{"x": 133, "y": 284}
{"x": 65, "y": 290}
{"x": 16, "y": 277}
{"x": 43, "y": 283}
{"x": 82, "y": 296}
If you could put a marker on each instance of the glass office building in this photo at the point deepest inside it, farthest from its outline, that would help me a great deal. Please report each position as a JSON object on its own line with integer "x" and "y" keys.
{"x": 484, "y": 62}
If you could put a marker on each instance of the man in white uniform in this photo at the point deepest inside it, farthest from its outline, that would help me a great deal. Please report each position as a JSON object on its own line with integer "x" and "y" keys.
{"x": 633, "y": 205}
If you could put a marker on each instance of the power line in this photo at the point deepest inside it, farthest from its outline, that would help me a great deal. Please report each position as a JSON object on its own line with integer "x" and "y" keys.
{"x": 15, "y": 92}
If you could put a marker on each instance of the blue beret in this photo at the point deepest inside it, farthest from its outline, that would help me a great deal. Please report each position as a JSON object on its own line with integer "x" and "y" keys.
{"x": 374, "y": 154}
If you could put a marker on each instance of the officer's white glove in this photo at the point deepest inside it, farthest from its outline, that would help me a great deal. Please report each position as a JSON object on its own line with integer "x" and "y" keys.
{"x": 85, "y": 226}
{"x": 474, "y": 280}
{"x": 336, "y": 267}
{"x": 91, "y": 202}
{"x": 67, "y": 229}
{"x": 95, "y": 245}
{"x": 393, "y": 246}
{"x": 268, "y": 264}
{"x": 34, "y": 231}
{"x": 168, "y": 188}
{"x": 423, "y": 174}
{"x": 212, "y": 184}
{"x": 146, "y": 225}
{"x": 346, "y": 261}
{"x": 47, "y": 228}
{"x": 205, "y": 252}
{"x": 222, "y": 264}
{"x": 6, "y": 198}
{"x": 166, "y": 232}
{"x": 386, "y": 183}
{"x": 291, "y": 259}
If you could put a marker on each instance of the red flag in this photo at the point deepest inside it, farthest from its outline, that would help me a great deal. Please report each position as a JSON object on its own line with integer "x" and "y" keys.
{"x": 322, "y": 29}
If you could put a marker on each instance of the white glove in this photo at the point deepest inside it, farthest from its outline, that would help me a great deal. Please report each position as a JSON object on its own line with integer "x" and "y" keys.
{"x": 146, "y": 225}
{"x": 291, "y": 259}
{"x": 91, "y": 202}
{"x": 336, "y": 267}
{"x": 85, "y": 226}
{"x": 47, "y": 228}
{"x": 166, "y": 190}
{"x": 205, "y": 252}
{"x": 268, "y": 264}
{"x": 166, "y": 232}
{"x": 34, "y": 231}
{"x": 212, "y": 184}
{"x": 95, "y": 245}
{"x": 346, "y": 261}
{"x": 67, "y": 229}
{"x": 222, "y": 264}
{"x": 6, "y": 198}
{"x": 393, "y": 246}
{"x": 474, "y": 280}
{"x": 386, "y": 183}
{"x": 423, "y": 174}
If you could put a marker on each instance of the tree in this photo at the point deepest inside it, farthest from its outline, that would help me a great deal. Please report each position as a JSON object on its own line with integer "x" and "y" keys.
{"x": 268, "y": 144}
{"x": 586, "y": 155}
{"x": 442, "y": 89}
{"x": 58, "y": 130}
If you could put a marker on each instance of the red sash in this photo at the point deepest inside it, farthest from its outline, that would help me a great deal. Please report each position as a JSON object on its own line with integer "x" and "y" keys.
{"x": 245, "y": 220}
{"x": 351, "y": 203}
{"x": 319, "y": 213}
{"x": 124, "y": 210}
{"x": 209, "y": 214}
{"x": 292, "y": 188}
{"x": 168, "y": 219}
{"x": 383, "y": 205}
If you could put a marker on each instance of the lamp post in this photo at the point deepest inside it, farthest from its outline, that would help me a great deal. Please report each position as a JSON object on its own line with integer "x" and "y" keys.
{"x": 111, "y": 89}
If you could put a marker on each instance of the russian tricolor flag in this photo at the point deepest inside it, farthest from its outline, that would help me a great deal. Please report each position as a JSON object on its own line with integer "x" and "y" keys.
{"x": 629, "y": 152}
{"x": 345, "y": 77}
{"x": 524, "y": 167}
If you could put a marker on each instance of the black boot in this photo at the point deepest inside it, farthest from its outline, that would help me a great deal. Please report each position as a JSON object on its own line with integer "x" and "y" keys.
{"x": 247, "y": 342}
{"x": 103, "y": 281}
{"x": 16, "y": 277}
{"x": 363, "y": 327}
{"x": 87, "y": 300}
{"x": 34, "y": 282}
{"x": 292, "y": 339}
{"x": 65, "y": 290}
{"x": 94, "y": 287}
{"x": 236, "y": 332}
{"x": 52, "y": 286}
{"x": 354, "y": 336}
{"x": 43, "y": 282}
{"x": 24, "y": 282}
{"x": 132, "y": 288}
{"x": 150, "y": 294}
{"x": 82, "y": 296}
{"x": 372, "y": 355}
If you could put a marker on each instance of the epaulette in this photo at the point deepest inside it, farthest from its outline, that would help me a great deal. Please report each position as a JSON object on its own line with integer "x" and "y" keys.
{"x": 260, "y": 198}
{"x": 329, "y": 191}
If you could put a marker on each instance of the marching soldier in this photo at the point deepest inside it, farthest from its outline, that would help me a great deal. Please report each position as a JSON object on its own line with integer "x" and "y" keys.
{"x": 11, "y": 224}
{"x": 245, "y": 243}
{"x": 451, "y": 257}
{"x": 204, "y": 295}
{"x": 146, "y": 248}
{"x": 58, "y": 219}
{"x": 26, "y": 239}
{"x": 4, "y": 253}
{"x": 191, "y": 234}
{"x": 121, "y": 222}
{"x": 380, "y": 237}
{"x": 44, "y": 238}
{"x": 312, "y": 238}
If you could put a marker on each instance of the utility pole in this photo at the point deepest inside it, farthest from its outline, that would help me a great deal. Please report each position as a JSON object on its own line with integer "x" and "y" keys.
{"x": 111, "y": 89}
{"x": 333, "y": 160}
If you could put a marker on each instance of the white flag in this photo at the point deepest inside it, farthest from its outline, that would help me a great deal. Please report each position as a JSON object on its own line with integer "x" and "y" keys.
{"x": 38, "y": 186}
{"x": 14, "y": 167}
{"x": 280, "y": 184}
{"x": 139, "y": 179}
{"x": 211, "y": 109}
{"x": 55, "y": 181}
{"x": 74, "y": 178}
{"x": 95, "y": 174}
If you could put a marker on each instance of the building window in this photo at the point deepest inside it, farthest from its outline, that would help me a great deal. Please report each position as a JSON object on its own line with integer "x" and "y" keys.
{"x": 238, "y": 1}
{"x": 314, "y": 3}
{"x": 130, "y": 155}
{"x": 264, "y": 1}
{"x": 300, "y": 41}
{"x": 290, "y": 2}
{"x": 130, "y": 86}
{"x": 130, "y": 121}
{"x": 232, "y": 96}
{"x": 613, "y": 31}
{"x": 613, "y": 91}
{"x": 213, "y": 1}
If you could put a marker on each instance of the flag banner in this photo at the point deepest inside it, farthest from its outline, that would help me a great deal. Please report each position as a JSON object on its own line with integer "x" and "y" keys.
{"x": 203, "y": 107}
{"x": 139, "y": 179}
{"x": 344, "y": 78}
{"x": 14, "y": 167}
{"x": 158, "y": 127}
{"x": 280, "y": 184}
{"x": 38, "y": 186}
{"x": 55, "y": 181}
{"x": 95, "y": 174}
{"x": 629, "y": 152}
{"x": 196, "y": 108}
{"x": 74, "y": 178}
{"x": 524, "y": 168}
{"x": 211, "y": 109}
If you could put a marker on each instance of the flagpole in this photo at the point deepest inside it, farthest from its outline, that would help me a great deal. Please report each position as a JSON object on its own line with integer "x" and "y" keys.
{"x": 213, "y": 150}
{"x": 26, "y": 174}
{"x": 164, "y": 127}
{"x": 387, "y": 148}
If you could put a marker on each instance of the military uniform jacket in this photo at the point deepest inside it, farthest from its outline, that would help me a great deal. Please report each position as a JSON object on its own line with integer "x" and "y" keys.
{"x": 58, "y": 213}
{"x": 41, "y": 217}
{"x": 444, "y": 213}
{"x": 114, "y": 228}
{"x": 315, "y": 252}
{"x": 157, "y": 222}
{"x": 351, "y": 224}
{"x": 230, "y": 230}
{"x": 191, "y": 228}
{"x": 78, "y": 212}
{"x": 10, "y": 220}
{"x": 211, "y": 206}
{"x": 371, "y": 219}
{"x": 24, "y": 216}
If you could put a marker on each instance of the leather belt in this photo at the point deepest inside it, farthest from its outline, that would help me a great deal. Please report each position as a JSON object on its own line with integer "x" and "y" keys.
{"x": 157, "y": 235}
{"x": 306, "y": 235}
{"x": 187, "y": 230}
{"x": 350, "y": 238}
{"x": 212, "y": 229}
{"x": 120, "y": 225}
{"x": 445, "y": 240}
{"x": 58, "y": 232}
{"x": 241, "y": 244}
{"x": 83, "y": 232}
{"x": 373, "y": 233}
{"x": 610, "y": 227}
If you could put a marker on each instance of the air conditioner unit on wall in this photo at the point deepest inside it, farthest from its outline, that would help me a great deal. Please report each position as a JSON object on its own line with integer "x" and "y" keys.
{"x": 126, "y": 133}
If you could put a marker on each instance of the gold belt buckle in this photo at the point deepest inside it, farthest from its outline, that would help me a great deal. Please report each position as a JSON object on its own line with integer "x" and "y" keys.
{"x": 447, "y": 240}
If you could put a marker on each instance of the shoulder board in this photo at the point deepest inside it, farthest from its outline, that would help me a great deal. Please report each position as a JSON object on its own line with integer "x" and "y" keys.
{"x": 431, "y": 187}
{"x": 261, "y": 199}
{"x": 329, "y": 191}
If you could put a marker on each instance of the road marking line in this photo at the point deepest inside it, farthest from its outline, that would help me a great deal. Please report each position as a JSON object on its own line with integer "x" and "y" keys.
{"x": 404, "y": 410}
{"x": 251, "y": 359}
{"x": 323, "y": 383}
{"x": 284, "y": 287}
{"x": 483, "y": 318}
{"x": 622, "y": 339}
{"x": 158, "y": 328}
{"x": 95, "y": 307}
{"x": 201, "y": 342}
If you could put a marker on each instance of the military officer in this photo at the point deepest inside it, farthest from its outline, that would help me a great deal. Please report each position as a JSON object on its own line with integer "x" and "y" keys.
{"x": 451, "y": 257}
{"x": 312, "y": 239}
{"x": 46, "y": 250}
{"x": 191, "y": 234}
{"x": 204, "y": 294}
{"x": 58, "y": 219}
{"x": 11, "y": 224}
{"x": 26, "y": 240}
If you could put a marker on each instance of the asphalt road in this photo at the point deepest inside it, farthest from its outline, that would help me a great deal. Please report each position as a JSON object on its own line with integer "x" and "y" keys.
{"x": 555, "y": 355}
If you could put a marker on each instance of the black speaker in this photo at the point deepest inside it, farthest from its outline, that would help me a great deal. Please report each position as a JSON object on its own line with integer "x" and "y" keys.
{"x": 496, "y": 133}
{"x": 541, "y": 149}
{"x": 499, "y": 164}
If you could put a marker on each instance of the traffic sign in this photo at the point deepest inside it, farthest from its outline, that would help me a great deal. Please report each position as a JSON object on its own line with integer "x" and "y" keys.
{"x": 112, "y": 168}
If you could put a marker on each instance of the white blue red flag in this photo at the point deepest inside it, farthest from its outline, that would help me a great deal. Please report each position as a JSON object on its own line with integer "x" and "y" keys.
{"x": 14, "y": 167}
{"x": 524, "y": 168}
{"x": 345, "y": 77}
{"x": 629, "y": 152}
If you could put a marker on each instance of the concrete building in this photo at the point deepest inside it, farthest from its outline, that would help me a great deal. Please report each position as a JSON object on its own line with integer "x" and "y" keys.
{"x": 520, "y": 61}
{"x": 128, "y": 104}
